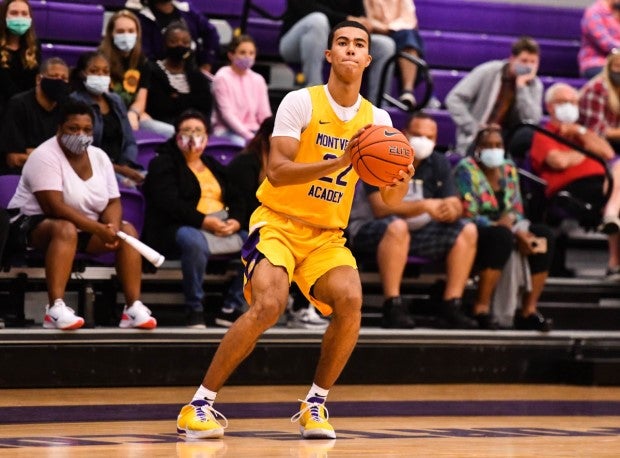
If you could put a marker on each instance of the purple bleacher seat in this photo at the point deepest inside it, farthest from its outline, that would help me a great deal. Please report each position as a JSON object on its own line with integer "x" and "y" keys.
{"x": 146, "y": 136}
{"x": 107, "y": 4}
{"x": 266, "y": 34}
{"x": 538, "y": 21}
{"x": 219, "y": 9}
{"x": 74, "y": 23}
{"x": 146, "y": 153}
{"x": 133, "y": 207}
{"x": 463, "y": 51}
{"x": 223, "y": 153}
{"x": 39, "y": 17}
{"x": 69, "y": 53}
{"x": 8, "y": 185}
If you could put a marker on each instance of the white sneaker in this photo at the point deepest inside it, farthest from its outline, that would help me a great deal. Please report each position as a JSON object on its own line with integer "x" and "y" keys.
{"x": 305, "y": 318}
{"x": 137, "y": 316}
{"x": 59, "y": 316}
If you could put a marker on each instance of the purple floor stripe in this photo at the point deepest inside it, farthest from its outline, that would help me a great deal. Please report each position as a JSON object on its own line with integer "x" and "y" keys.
{"x": 149, "y": 412}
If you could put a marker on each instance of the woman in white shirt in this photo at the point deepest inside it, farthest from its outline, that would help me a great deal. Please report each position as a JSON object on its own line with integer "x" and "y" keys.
{"x": 68, "y": 200}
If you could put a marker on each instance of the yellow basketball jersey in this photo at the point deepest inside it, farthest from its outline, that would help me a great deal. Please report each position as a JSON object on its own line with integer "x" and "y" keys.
{"x": 325, "y": 202}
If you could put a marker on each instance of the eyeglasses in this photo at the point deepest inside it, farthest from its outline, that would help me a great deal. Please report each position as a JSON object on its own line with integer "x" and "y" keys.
{"x": 192, "y": 131}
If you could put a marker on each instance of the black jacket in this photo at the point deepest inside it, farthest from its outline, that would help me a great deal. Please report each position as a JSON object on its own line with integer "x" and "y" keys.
{"x": 172, "y": 193}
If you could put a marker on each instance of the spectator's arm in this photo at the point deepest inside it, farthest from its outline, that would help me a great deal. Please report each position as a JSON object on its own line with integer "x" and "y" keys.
{"x": 224, "y": 96}
{"x": 560, "y": 160}
{"x": 529, "y": 101}
{"x": 460, "y": 98}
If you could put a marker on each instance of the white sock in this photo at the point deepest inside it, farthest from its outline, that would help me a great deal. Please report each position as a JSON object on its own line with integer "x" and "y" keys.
{"x": 317, "y": 394}
{"x": 204, "y": 394}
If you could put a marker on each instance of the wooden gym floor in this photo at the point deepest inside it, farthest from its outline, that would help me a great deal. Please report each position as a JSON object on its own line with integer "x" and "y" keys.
{"x": 374, "y": 421}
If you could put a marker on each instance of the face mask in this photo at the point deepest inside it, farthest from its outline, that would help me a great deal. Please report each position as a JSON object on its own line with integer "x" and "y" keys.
{"x": 76, "y": 144}
{"x": 97, "y": 84}
{"x": 521, "y": 69}
{"x": 55, "y": 89}
{"x": 243, "y": 63}
{"x": 189, "y": 142}
{"x": 615, "y": 78}
{"x": 18, "y": 25}
{"x": 567, "y": 113}
{"x": 125, "y": 41}
{"x": 492, "y": 157}
{"x": 422, "y": 147}
{"x": 178, "y": 53}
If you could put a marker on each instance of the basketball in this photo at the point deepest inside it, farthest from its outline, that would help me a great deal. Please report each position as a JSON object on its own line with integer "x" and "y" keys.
{"x": 381, "y": 152}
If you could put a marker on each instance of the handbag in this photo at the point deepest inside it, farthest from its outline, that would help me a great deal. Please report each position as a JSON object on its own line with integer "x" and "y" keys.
{"x": 222, "y": 245}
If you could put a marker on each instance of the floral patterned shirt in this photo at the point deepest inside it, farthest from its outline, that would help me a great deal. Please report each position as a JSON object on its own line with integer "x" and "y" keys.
{"x": 480, "y": 202}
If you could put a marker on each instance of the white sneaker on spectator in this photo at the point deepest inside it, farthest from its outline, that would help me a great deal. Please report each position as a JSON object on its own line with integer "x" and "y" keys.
{"x": 305, "y": 318}
{"x": 59, "y": 316}
{"x": 137, "y": 316}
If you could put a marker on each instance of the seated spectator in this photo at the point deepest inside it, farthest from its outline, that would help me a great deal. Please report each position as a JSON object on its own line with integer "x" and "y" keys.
{"x": 111, "y": 130}
{"x": 240, "y": 94}
{"x": 20, "y": 53}
{"x": 157, "y": 15}
{"x": 398, "y": 20}
{"x": 68, "y": 200}
{"x": 31, "y": 117}
{"x": 599, "y": 102}
{"x": 504, "y": 92}
{"x": 245, "y": 174}
{"x": 489, "y": 188}
{"x": 426, "y": 223}
{"x": 600, "y": 34}
{"x": 129, "y": 69}
{"x": 305, "y": 30}
{"x": 189, "y": 213}
{"x": 176, "y": 84}
{"x": 566, "y": 169}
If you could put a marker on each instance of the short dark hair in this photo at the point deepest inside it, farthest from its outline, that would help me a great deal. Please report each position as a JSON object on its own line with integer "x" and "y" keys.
{"x": 47, "y": 63}
{"x": 419, "y": 115}
{"x": 343, "y": 24}
{"x": 527, "y": 44}
{"x": 191, "y": 114}
{"x": 237, "y": 40}
{"x": 73, "y": 107}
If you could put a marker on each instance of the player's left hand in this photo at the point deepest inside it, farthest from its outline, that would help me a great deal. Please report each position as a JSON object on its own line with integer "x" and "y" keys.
{"x": 403, "y": 177}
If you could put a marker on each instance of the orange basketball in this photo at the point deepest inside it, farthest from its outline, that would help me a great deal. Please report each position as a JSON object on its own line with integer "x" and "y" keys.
{"x": 379, "y": 155}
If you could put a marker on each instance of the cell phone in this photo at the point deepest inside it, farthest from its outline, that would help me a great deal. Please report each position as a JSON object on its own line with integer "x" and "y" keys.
{"x": 538, "y": 245}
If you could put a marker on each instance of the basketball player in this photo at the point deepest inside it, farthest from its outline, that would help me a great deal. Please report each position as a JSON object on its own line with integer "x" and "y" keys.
{"x": 296, "y": 233}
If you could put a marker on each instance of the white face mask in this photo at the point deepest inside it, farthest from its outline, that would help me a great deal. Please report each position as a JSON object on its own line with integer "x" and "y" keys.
{"x": 422, "y": 147}
{"x": 125, "y": 41}
{"x": 567, "y": 113}
{"x": 97, "y": 84}
{"x": 492, "y": 157}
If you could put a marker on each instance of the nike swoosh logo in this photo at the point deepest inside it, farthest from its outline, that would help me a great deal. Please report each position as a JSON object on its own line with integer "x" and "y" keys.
{"x": 389, "y": 134}
{"x": 324, "y": 122}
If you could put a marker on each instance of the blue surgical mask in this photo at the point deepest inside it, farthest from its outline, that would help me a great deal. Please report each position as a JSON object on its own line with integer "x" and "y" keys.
{"x": 492, "y": 157}
{"x": 18, "y": 25}
{"x": 97, "y": 84}
{"x": 125, "y": 41}
{"x": 521, "y": 69}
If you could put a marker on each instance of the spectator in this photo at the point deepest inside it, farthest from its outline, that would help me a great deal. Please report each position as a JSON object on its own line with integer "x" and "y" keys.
{"x": 489, "y": 188}
{"x": 504, "y": 92}
{"x": 427, "y": 224}
{"x": 245, "y": 173}
{"x": 176, "y": 84}
{"x": 31, "y": 117}
{"x": 187, "y": 196}
{"x": 157, "y": 15}
{"x": 241, "y": 95}
{"x": 306, "y": 26}
{"x": 20, "y": 53}
{"x": 599, "y": 102}
{"x": 600, "y": 34}
{"x": 129, "y": 69}
{"x": 566, "y": 169}
{"x": 68, "y": 200}
{"x": 111, "y": 130}
{"x": 398, "y": 20}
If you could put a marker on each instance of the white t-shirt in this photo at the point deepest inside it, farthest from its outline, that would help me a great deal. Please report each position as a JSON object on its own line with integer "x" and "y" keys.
{"x": 295, "y": 112}
{"x": 47, "y": 169}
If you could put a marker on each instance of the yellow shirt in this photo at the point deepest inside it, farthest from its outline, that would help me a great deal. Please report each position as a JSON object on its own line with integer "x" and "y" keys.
{"x": 210, "y": 192}
{"x": 325, "y": 202}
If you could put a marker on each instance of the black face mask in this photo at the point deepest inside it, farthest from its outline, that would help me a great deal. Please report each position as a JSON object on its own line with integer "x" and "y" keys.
{"x": 178, "y": 53}
{"x": 55, "y": 89}
{"x": 615, "y": 78}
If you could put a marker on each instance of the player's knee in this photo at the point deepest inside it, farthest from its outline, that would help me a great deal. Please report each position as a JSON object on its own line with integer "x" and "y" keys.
{"x": 266, "y": 312}
{"x": 348, "y": 304}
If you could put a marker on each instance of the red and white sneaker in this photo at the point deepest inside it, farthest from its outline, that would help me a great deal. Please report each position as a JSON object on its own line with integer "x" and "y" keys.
{"x": 137, "y": 316}
{"x": 59, "y": 316}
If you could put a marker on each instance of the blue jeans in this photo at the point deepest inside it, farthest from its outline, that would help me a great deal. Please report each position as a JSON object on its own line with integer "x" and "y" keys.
{"x": 194, "y": 259}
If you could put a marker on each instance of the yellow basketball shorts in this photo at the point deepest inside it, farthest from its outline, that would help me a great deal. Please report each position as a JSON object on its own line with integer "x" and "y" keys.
{"x": 306, "y": 252}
